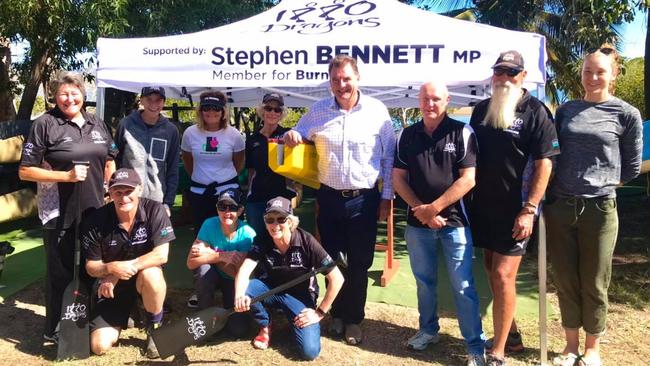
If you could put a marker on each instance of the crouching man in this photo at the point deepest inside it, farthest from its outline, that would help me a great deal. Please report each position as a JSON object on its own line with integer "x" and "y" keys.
{"x": 125, "y": 243}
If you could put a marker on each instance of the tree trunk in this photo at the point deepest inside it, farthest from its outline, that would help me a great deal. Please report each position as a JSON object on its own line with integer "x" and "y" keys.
{"x": 7, "y": 110}
{"x": 32, "y": 86}
{"x": 646, "y": 67}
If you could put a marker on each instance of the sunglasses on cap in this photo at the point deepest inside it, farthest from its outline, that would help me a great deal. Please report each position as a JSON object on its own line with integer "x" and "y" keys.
{"x": 505, "y": 70}
{"x": 207, "y": 108}
{"x": 268, "y": 108}
{"x": 269, "y": 220}
{"x": 224, "y": 207}
{"x": 603, "y": 50}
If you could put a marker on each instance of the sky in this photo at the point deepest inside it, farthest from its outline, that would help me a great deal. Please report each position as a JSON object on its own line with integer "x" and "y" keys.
{"x": 633, "y": 42}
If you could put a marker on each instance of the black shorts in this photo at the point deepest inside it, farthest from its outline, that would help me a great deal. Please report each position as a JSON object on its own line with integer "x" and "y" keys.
{"x": 115, "y": 312}
{"x": 494, "y": 232}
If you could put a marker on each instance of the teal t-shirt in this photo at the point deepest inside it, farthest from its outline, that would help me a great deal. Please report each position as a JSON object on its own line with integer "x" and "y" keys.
{"x": 212, "y": 235}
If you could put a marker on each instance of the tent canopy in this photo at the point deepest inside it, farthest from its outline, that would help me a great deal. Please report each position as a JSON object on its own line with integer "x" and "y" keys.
{"x": 287, "y": 48}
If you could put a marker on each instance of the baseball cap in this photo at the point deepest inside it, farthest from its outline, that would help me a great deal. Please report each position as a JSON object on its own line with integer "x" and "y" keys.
{"x": 511, "y": 59}
{"x": 230, "y": 195}
{"x": 212, "y": 100}
{"x": 124, "y": 177}
{"x": 280, "y": 205}
{"x": 148, "y": 90}
{"x": 273, "y": 97}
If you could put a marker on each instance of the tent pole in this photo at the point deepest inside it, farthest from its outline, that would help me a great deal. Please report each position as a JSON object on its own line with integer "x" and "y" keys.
{"x": 100, "y": 103}
{"x": 541, "y": 264}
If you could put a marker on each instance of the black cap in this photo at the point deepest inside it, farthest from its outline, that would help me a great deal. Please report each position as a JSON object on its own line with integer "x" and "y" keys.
{"x": 148, "y": 90}
{"x": 213, "y": 101}
{"x": 511, "y": 59}
{"x": 124, "y": 177}
{"x": 230, "y": 195}
{"x": 280, "y": 205}
{"x": 273, "y": 97}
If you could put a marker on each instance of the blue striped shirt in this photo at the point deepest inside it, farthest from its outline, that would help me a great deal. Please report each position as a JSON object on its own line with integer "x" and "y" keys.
{"x": 355, "y": 148}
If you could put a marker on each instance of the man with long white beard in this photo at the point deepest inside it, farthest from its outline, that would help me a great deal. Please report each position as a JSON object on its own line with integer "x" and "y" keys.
{"x": 516, "y": 139}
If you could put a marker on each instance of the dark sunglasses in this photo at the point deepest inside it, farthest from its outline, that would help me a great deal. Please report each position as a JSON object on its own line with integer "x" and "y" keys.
{"x": 505, "y": 70}
{"x": 274, "y": 109}
{"x": 207, "y": 108}
{"x": 271, "y": 220}
{"x": 227, "y": 208}
{"x": 604, "y": 50}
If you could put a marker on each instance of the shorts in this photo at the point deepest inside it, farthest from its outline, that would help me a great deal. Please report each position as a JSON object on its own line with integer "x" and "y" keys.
{"x": 115, "y": 312}
{"x": 494, "y": 232}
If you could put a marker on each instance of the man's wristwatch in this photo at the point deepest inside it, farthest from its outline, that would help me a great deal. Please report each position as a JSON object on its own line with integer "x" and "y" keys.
{"x": 320, "y": 312}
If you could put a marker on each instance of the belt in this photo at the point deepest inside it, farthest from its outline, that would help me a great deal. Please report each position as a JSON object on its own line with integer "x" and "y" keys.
{"x": 347, "y": 193}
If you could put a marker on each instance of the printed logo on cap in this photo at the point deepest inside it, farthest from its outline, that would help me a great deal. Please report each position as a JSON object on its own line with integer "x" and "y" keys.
{"x": 122, "y": 175}
{"x": 508, "y": 57}
{"x": 276, "y": 203}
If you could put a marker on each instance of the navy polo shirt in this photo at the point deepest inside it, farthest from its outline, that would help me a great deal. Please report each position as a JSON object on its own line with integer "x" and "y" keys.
{"x": 58, "y": 142}
{"x": 433, "y": 164}
{"x": 102, "y": 238}
{"x": 304, "y": 254}
{"x": 265, "y": 184}
{"x": 504, "y": 154}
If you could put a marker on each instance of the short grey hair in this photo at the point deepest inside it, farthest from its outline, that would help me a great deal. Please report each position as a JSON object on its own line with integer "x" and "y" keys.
{"x": 63, "y": 77}
{"x": 295, "y": 220}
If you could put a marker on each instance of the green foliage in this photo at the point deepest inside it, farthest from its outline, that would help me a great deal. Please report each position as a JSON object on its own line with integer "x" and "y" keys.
{"x": 39, "y": 106}
{"x": 629, "y": 86}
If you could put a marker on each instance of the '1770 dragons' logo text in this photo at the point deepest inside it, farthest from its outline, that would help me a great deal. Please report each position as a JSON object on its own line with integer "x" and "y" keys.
{"x": 74, "y": 312}
{"x": 196, "y": 327}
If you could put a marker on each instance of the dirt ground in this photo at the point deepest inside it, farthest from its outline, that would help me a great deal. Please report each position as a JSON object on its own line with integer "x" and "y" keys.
{"x": 386, "y": 329}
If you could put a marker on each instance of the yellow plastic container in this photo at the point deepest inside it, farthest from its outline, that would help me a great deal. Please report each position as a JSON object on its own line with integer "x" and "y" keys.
{"x": 299, "y": 163}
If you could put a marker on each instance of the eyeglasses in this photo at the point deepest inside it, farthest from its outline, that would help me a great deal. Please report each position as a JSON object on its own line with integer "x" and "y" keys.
{"x": 207, "y": 108}
{"x": 268, "y": 108}
{"x": 227, "y": 208}
{"x": 506, "y": 70}
{"x": 269, "y": 220}
{"x": 604, "y": 50}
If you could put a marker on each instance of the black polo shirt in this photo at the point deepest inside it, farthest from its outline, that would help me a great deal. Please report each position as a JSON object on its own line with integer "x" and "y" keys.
{"x": 304, "y": 254}
{"x": 104, "y": 239}
{"x": 504, "y": 154}
{"x": 265, "y": 183}
{"x": 433, "y": 164}
{"x": 58, "y": 142}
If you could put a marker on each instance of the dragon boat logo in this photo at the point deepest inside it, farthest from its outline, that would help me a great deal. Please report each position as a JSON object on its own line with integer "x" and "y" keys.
{"x": 74, "y": 312}
{"x": 319, "y": 17}
{"x": 195, "y": 327}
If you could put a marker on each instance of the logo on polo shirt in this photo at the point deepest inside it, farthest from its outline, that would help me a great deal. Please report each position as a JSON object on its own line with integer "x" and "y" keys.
{"x": 516, "y": 126}
{"x": 449, "y": 147}
{"x": 166, "y": 231}
{"x": 97, "y": 137}
{"x": 140, "y": 236}
{"x": 296, "y": 259}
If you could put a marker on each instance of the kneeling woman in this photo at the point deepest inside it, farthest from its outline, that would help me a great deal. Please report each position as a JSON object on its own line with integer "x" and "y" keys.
{"x": 217, "y": 253}
{"x": 285, "y": 253}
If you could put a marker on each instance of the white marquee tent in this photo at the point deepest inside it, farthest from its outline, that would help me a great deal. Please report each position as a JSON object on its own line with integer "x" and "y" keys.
{"x": 286, "y": 49}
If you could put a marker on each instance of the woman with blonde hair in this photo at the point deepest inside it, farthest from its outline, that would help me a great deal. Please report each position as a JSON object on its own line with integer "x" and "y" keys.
{"x": 601, "y": 139}
{"x": 263, "y": 183}
{"x": 213, "y": 155}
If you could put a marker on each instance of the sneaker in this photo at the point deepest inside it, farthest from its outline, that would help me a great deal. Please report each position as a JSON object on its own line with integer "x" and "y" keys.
{"x": 150, "y": 349}
{"x": 514, "y": 344}
{"x": 353, "y": 334}
{"x": 476, "y": 360}
{"x": 336, "y": 327}
{"x": 53, "y": 338}
{"x": 263, "y": 338}
{"x": 590, "y": 361}
{"x": 421, "y": 340}
{"x": 565, "y": 360}
{"x": 193, "y": 302}
{"x": 492, "y": 360}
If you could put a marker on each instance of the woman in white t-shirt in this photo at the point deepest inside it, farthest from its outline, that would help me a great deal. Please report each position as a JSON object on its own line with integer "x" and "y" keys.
{"x": 213, "y": 155}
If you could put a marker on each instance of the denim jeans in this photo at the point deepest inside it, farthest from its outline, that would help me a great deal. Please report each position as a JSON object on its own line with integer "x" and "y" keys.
{"x": 207, "y": 280}
{"x": 307, "y": 340}
{"x": 255, "y": 216}
{"x": 456, "y": 243}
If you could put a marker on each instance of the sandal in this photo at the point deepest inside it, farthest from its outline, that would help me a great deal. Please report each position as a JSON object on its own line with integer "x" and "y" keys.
{"x": 263, "y": 338}
{"x": 565, "y": 360}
